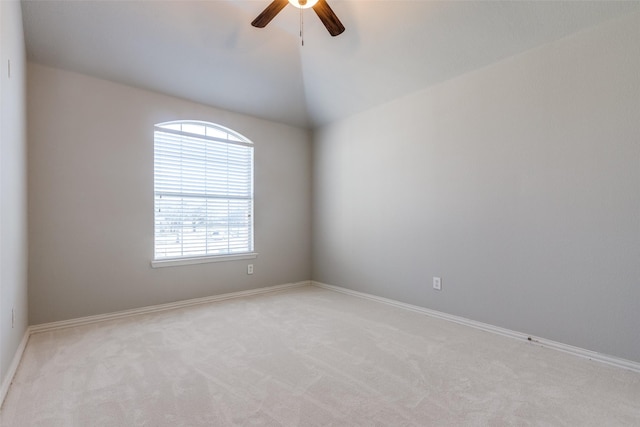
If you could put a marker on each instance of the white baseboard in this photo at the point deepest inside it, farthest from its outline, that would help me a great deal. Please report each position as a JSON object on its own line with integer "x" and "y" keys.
{"x": 576, "y": 351}
{"x": 17, "y": 357}
{"x": 71, "y": 323}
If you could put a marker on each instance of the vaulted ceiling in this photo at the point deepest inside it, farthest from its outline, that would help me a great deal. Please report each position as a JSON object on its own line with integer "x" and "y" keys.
{"x": 207, "y": 51}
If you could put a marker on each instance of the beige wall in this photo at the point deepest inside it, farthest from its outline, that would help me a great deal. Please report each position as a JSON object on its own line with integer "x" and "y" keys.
{"x": 518, "y": 184}
{"x": 91, "y": 200}
{"x": 13, "y": 184}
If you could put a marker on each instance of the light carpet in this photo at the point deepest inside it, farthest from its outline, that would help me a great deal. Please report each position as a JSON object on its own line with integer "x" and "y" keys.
{"x": 307, "y": 357}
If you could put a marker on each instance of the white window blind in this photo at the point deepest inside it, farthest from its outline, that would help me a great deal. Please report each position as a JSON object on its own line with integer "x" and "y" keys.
{"x": 203, "y": 181}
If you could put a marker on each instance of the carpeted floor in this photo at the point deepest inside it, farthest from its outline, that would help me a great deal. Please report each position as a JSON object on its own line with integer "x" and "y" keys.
{"x": 307, "y": 357}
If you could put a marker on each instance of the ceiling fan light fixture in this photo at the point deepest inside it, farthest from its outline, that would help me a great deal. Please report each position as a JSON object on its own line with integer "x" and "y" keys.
{"x": 320, "y": 7}
{"x": 303, "y": 4}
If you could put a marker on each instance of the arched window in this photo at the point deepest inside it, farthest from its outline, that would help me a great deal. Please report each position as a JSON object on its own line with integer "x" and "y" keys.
{"x": 203, "y": 185}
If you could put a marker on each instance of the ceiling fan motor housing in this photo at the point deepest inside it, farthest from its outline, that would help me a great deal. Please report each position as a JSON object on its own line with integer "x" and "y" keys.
{"x": 320, "y": 7}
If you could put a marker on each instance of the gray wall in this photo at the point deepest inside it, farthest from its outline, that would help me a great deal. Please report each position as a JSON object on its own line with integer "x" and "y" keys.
{"x": 13, "y": 184}
{"x": 91, "y": 200}
{"x": 518, "y": 184}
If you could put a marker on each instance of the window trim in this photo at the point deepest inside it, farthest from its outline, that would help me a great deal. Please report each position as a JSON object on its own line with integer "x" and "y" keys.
{"x": 173, "y": 262}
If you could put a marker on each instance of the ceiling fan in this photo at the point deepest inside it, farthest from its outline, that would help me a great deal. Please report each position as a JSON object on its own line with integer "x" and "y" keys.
{"x": 321, "y": 7}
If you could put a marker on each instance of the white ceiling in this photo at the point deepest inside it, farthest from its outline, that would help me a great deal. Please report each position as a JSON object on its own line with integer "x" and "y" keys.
{"x": 208, "y": 52}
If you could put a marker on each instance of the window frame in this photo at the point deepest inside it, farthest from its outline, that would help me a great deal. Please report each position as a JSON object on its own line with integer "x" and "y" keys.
{"x": 233, "y": 138}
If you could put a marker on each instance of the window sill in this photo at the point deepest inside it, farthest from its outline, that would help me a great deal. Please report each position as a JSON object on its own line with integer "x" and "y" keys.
{"x": 201, "y": 260}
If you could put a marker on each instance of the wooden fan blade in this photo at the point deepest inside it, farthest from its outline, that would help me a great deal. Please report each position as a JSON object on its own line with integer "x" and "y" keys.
{"x": 269, "y": 13}
{"x": 328, "y": 18}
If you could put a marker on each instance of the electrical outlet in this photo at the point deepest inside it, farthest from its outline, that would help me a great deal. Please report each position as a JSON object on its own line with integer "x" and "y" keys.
{"x": 437, "y": 283}
{"x": 250, "y": 269}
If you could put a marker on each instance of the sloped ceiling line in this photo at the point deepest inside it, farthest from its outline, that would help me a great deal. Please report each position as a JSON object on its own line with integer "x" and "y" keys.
{"x": 209, "y": 53}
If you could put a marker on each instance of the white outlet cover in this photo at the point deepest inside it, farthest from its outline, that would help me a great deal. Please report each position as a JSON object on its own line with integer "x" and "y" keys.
{"x": 437, "y": 283}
